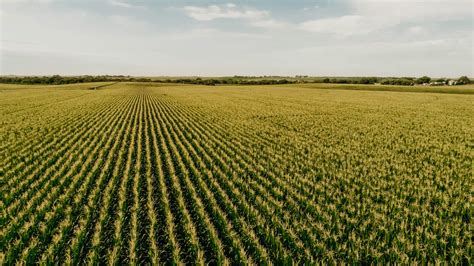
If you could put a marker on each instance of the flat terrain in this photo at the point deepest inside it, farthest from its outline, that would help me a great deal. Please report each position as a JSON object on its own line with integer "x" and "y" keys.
{"x": 136, "y": 173}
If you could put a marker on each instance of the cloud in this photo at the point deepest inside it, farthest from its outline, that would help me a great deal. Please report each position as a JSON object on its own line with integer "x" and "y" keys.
{"x": 404, "y": 10}
{"x": 270, "y": 24}
{"x": 310, "y": 8}
{"x": 344, "y": 25}
{"x": 228, "y": 11}
{"x": 120, "y": 4}
{"x": 254, "y": 17}
{"x": 368, "y": 16}
{"x": 123, "y": 4}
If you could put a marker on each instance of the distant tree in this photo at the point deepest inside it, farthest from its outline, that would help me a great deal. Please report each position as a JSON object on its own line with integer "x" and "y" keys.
{"x": 366, "y": 81}
{"x": 424, "y": 79}
{"x": 464, "y": 80}
{"x": 398, "y": 81}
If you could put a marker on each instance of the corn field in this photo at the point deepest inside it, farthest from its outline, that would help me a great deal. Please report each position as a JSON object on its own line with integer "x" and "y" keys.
{"x": 136, "y": 173}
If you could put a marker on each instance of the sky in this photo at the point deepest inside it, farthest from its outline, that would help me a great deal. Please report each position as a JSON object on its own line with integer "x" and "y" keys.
{"x": 222, "y": 38}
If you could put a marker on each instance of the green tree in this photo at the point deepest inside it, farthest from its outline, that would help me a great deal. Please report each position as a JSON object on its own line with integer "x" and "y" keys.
{"x": 424, "y": 79}
{"x": 464, "y": 80}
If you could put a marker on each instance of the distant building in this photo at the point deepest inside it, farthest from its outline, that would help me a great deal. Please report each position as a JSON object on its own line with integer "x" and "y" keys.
{"x": 452, "y": 82}
{"x": 437, "y": 83}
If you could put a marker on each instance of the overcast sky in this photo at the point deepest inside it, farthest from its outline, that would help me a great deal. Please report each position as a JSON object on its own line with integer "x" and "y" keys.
{"x": 216, "y": 38}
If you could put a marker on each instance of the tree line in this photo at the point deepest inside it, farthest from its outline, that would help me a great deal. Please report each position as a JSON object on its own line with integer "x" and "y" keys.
{"x": 408, "y": 81}
{"x": 55, "y": 79}
{"x": 235, "y": 80}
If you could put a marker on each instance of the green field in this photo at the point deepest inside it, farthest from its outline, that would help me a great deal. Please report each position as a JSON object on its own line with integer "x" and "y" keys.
{"x": 160, "y": 173}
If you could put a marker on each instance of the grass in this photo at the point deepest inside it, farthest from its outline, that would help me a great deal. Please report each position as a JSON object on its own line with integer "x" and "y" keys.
{"x": 164, "y": 173}
{"x": 465, "y": 89}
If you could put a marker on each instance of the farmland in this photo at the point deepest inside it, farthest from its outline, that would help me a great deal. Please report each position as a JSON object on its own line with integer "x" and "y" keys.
{"x": 162, "y": 173}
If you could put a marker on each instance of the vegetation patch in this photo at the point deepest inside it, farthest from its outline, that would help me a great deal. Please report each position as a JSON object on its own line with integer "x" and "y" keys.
{"x": 134, "y": 173}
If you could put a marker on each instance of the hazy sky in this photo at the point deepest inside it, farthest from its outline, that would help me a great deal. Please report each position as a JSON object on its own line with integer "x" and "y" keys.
{"x": 214, "y": 38}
